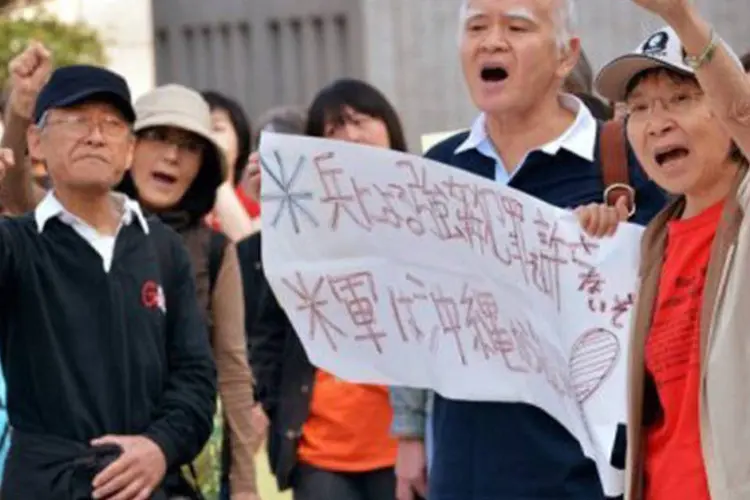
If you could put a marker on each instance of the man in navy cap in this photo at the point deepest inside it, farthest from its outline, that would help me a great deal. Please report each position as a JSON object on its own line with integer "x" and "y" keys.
{"x": 111, "y": 384}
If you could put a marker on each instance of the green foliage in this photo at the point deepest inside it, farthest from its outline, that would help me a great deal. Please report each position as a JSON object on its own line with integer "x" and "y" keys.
{"x": 75, "y": 43}
{"x": 207, "y": 465}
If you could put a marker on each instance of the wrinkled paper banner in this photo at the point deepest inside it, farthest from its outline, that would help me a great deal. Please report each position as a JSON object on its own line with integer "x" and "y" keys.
{"x": 398, "y": 270}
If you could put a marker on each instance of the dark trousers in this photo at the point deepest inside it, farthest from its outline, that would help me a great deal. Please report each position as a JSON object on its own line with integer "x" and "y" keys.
{"x": 317, "y": 484}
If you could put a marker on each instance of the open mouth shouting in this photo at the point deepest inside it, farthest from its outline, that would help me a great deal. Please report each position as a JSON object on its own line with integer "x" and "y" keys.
{"x": 670, "y": 156}
{"x": 493, "y": 74}
{"x": 164, "y": 180}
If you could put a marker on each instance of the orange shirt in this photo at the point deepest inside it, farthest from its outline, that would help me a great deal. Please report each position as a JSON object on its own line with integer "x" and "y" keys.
{"x": 348, "y": 429}
{"x": 674, "y": 465}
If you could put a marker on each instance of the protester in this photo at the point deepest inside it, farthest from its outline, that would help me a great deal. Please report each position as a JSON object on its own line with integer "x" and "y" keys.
{"x": 515, "y": 56}
{"x": 177, "y": 166}
{"x": 329, "y": 439}
{"x": 282, "y": 120}
{"x": 111, "y": 384}
{"x": 689, "y": 125}
{"x": 285, "y": 120}
{"x": 231, "y": 129}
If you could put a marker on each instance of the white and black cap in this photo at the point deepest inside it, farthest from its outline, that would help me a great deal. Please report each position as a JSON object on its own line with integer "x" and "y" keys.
{"x": 662, "y": 49}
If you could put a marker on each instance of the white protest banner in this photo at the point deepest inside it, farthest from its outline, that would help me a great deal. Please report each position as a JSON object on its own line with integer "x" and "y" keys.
{"x": 397, "y": 270}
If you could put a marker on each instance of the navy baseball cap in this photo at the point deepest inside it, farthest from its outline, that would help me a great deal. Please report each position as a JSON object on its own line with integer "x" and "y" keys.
{"x": 76, "y": 84}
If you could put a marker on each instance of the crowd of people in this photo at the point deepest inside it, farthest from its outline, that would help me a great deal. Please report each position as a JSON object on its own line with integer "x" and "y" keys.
{"x": 145, "y": 356}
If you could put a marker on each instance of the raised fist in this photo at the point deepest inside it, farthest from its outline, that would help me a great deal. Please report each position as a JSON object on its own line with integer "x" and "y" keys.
{"x": 29, "y": 71}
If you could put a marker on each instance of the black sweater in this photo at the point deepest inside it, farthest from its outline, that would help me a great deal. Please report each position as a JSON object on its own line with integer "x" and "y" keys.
{"x": 88, "y": 353}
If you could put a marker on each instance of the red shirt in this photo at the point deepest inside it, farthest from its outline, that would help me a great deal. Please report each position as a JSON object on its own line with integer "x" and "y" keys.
{"x": 251, "y": 207}
{"x": 674, "y": 465}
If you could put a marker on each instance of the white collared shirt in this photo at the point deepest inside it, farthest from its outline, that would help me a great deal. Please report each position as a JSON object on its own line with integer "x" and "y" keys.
{"x": 579, "y": 139}
{"x": 50, "y": 207}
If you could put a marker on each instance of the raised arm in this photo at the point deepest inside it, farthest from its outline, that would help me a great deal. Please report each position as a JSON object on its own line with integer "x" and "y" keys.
{"x": 719, "y": 73}
{"x": 28, "y": 73}
{"x": 235, "y": 222}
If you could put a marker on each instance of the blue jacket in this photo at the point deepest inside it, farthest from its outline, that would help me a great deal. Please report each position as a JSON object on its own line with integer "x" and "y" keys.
{"x": 515, "y": 451}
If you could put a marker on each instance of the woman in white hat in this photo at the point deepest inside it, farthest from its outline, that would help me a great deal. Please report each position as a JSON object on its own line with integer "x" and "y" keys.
{"x": 688, "y": 123}
{"x": 177, "y": 167}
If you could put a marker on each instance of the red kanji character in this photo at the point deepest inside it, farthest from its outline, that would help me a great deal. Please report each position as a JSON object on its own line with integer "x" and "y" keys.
{"x": 540, "y": 357}
{"x": 514, "y": 209}
{"x": 528, "y": 345}
{"x": 311, "y": 302}
{"x": 543, "y": 228}
{"x": 490, "y": 204}
{"x": 482, "y": 314}
{"x": 475, "y": 222}
{"x": 450, "y": 320}
{"x": 409, "y": 196}
{"x": 361, "y": 307}
{"x": 432, "y": 202}
{"x": 622, "y": 306}
{"x": 546, "y": 262}
{"x": 329, "y": 177}
{"x": 407, "y": 321}
{"x": 389, "y": 215}
{"x": 413, "y": 222}
{"x": 504, "y": 343}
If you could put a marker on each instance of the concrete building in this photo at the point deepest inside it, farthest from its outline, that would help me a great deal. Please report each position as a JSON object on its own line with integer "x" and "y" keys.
{"x": 407, "y": 48}
{"x": 272, "y": 52}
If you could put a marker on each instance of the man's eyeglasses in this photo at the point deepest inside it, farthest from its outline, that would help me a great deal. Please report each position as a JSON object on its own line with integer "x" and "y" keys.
{"x": 82, "y": 126}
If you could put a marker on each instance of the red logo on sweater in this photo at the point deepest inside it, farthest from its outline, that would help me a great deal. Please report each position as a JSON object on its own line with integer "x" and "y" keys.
{"x": 152, "y": 296}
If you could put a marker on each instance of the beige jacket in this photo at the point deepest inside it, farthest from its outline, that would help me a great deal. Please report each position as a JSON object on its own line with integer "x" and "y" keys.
{"x": 724, "y": 345}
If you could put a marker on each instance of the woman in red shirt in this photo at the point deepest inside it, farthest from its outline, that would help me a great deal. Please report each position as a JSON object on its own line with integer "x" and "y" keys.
{"x": 688, "y": 122}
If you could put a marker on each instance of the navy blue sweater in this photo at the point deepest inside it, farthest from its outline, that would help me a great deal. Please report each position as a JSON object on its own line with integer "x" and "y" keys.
{"x": 88, "y": 353}
{"x": 515, "y": 451}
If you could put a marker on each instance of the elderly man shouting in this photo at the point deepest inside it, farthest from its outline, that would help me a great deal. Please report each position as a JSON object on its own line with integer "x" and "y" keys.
{"x": 529, "y": 135}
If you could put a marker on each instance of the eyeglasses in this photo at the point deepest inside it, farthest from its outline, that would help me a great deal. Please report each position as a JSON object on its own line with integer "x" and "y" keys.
{"x": 188, "y": 144}
{"x": 679, "y": 103}
{"x": 82, "y": 126}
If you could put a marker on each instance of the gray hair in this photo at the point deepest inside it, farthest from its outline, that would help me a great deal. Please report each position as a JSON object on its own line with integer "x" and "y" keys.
{"x": 565, "y": 20}
{"x": 282, "y": 120}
